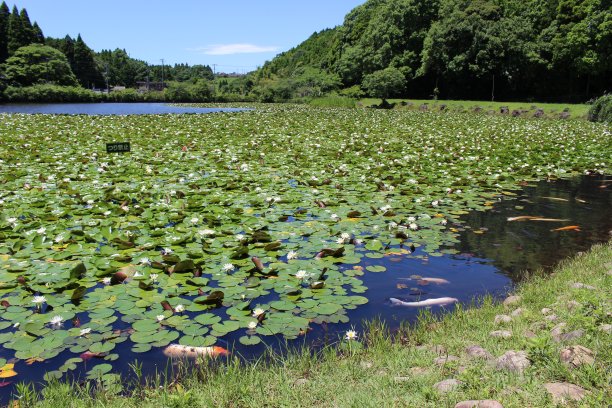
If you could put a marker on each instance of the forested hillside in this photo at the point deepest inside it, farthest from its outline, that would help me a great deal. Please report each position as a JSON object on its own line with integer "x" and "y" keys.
{"x": 477, "y": 49}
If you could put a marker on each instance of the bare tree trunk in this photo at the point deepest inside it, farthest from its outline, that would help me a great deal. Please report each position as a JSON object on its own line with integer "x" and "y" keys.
{"x": 493, "y": 89}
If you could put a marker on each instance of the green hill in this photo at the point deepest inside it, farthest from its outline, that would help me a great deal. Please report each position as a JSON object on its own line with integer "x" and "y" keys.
{"x": 512, "y": 49}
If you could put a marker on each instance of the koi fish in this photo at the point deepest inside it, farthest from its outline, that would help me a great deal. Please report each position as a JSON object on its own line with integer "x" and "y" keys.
{"x": 178, "y": 350}
{"x": 557, "y": 199}
{"x": 533, "y": 218}
{"x": 429, "y": 302}
{"x": 568, "y": 228}
{"x": 521, "y": 218}
{"x": 438, "y": 281}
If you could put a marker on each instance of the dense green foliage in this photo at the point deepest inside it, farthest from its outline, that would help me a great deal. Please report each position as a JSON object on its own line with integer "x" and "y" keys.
{"x": 92, "y": 70}
{"x": 479, "y": 49}
{"x": 601, "y": 111}
{"x": 37, "y": 64}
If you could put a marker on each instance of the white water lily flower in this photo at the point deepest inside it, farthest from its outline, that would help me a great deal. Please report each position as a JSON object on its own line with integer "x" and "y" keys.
{"x": 59, "y": 238}
{"x": 252, "y": 325}
{"x": 56, "y": 320}
{"x": 350, "y": 335}
{"x": 411, "y": 219}
{"x": 138, "y": 275}
{"x": 206, "y": 232}
{"x": 258, "y": 312}
{"x": 166, "y": 251}
{"x": 106, "y": 281}
{"x": 228, "y": 267}
{"x": 125, "y": 208}
{"x": 194, "y": 220}
{"x": 145, "y": 261}
{"x": 11, "y": 220}
{"x": 179, "y": 308}
{"x": 39, "y": 299}
{"x": 107, "y": 213}
{"x": 334, "y": 217}
{"x": 41, "y": 230}
{"x": 301, "y": 274}
{"x": 239, "y": 237}
{"x": 444, "y": 222}
{"x": 413, "y": 226}
{"x": 340, "y": 241}
{"x": 435, "y": 203}
{"x": 345, "y": 236}
{"x": 85, "y": 331}
{"x": 292, "y": 255}
{"x": 160, "y": 318}
{"x": 153, "y": 277}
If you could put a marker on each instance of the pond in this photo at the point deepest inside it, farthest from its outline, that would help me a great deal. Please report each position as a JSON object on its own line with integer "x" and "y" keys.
{"x": 494, "y": 251}
{"x": 108, "y": 109}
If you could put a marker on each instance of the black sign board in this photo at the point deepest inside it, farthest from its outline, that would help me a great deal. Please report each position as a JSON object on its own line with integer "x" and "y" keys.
{"x": 118, "y": 147}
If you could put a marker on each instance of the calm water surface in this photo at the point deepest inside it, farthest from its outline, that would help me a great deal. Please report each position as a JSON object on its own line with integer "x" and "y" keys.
{"x": 108, "y": 109}
{"x": 493, "y": 255}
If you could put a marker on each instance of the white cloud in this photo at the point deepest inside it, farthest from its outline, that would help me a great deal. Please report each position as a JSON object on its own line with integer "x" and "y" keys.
{"x": 230, "y": 49}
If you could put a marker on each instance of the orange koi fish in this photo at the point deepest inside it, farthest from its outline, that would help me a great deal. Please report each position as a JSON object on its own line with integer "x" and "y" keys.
{"x": 568, "y": 228}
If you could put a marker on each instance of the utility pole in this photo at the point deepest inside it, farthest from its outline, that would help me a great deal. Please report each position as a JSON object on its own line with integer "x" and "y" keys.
{"x": 162, "y": 78}
{"x": 214, "y": 69}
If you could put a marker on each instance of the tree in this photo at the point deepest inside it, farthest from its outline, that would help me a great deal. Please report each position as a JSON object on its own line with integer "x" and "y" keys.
{"x": 5, "y": 14}
{"x": 84, "y": 65}
{"x": 26, "y": 25}
{"x": 38, "y": 37}
{"x": 38, "y": 64}
{"x": 385, "y": 83}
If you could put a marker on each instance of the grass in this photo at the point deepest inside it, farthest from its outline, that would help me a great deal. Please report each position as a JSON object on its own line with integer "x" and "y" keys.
{"x": 333, "y": 101}
{"x": 550, "y": 109}
{"x": 384, "y": 372}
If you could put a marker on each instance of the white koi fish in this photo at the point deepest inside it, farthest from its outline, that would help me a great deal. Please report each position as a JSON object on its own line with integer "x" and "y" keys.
{"x": 429, "y": 302}
{"x": 178, "y": 350}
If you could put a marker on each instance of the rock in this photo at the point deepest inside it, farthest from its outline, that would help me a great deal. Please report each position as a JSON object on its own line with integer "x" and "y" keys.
{"x": 572, "y": 304}
{"x": 529, "y": 334}
{"x": 578, "y": 285}
{"x": 551, "y": 318}
{"x": 300, "y": 382}
{"x": 418, "y": 371}
{"x": 576, "y": 334}
{"x": 501, "y": 319}
{"x": 445, "y": 359}
{"x": 562, "y": 392}
{"x": 447, "y": 385}
{"x": 512, "y": 300}
{"x": 479, "y": 404}
{"x": 517, "y": 312}
{"x": 401, "y": 379}
{"x": 512, "y": 360}
{"x": 576, "y": 356}
{"x": 557, "y": 331}
{"x": 478, "y": 352}
{"x": 503, "y": 334}
{"x": 546, "y": 311}
{"x": 606, "y": 328}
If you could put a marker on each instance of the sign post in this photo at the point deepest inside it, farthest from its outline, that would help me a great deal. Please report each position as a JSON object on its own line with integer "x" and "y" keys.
{"x": 118, "y": 147}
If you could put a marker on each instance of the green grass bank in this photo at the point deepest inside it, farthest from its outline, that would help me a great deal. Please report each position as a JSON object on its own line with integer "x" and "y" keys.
{"x": 550, "y": 316}
{"x": 575, "y": 111}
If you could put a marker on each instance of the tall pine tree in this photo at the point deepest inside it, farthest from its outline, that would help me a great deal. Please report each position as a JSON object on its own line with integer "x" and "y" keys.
{"x": 18, "y": 34}
{"x": 84, "y": 65}
{"x": 39, "y": 37}
{"x": 5, "y": 14}
{"x": 26, "y": 24}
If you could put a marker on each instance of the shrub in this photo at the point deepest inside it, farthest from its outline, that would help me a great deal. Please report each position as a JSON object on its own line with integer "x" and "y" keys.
{"x": 601, "y": 111}
{"x": 333, "y": 101}
{"x": 47, "y": 93}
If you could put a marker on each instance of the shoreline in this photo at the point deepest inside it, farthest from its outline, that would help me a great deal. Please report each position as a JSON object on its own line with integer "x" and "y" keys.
{"x": 509, "y": 352}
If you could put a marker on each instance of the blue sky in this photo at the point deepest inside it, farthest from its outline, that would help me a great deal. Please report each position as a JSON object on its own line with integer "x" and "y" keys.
{"x": 236, "y": 35}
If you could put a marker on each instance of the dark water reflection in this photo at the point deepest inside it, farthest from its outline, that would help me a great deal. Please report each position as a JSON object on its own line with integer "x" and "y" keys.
{"x": 108, "y": 109}
{"x": 488, "y": 263}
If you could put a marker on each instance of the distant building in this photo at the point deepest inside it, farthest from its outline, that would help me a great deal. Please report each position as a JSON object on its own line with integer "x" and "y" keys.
{"x": 117, "y": 88}
{"x": 145, "y": 86}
